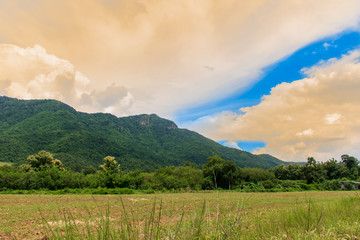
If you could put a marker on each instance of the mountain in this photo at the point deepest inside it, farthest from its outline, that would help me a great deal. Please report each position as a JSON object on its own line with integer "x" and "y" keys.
{"x": 80, "y": 139}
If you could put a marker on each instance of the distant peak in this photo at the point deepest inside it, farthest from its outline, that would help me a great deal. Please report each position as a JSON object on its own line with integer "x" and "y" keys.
{"x": 153, "y": 120}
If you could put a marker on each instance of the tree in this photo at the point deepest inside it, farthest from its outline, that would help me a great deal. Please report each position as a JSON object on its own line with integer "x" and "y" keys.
{"x": 313, "y": 172}
{"x": 44, "y": 160}
{"x": 222, "y": 172}
{"x": 213, "y": 167}
{"x": 334, "y": 169}
{"x": 352, "y": 164}
{"x": 110, "y": 165}
{"x": 229, "y": 172}
{"x": 110, "y": 169}
{"x": 310, "y": 162}
{"x": 289, "y": 172}
{"x": 349, "y": 161}
{"x": 177, "y": 177}
{"x": 256, "y": 175}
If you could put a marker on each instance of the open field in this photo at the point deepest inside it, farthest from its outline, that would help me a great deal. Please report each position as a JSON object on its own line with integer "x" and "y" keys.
{"x": 205, "y": 215}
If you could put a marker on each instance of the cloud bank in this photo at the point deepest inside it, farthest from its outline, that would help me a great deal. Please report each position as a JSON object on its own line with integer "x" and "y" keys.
{"x": 316, "y": 116}
{"x": 32, "y": 73}
{"x": 169, "y": 55}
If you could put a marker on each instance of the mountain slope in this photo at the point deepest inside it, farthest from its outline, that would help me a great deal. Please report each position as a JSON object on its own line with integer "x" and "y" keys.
{"x": 80, "y": 139}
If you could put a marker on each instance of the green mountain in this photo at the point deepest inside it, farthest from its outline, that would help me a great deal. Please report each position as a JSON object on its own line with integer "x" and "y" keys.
{"x": 80, "y": 139}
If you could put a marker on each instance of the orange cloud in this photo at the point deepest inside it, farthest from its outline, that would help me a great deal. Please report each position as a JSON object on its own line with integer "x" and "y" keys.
{"x": 33, "y": 73}
{"x": 315, "y": 116}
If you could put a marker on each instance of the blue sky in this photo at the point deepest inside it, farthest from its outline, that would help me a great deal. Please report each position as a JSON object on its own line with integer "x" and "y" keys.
{"x": 286, "y": 70}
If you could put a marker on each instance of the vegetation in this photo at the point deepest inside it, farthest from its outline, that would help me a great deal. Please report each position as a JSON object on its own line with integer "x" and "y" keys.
{"x": 80, "y": 140}
{"x": 43, "y": 172}
{"x": 40, "y": 161}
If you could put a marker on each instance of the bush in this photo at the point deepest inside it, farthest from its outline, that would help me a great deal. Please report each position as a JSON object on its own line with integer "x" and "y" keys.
{"x": 269, "y": 184}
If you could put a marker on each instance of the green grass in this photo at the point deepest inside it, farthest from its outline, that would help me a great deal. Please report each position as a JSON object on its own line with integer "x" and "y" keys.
{"x": 205, "y": 215}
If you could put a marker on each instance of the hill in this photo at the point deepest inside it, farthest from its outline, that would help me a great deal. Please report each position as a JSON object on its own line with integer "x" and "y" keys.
{"x": 80, "y": 139}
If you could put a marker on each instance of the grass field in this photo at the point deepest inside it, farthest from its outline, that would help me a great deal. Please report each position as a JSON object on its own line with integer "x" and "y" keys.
{"x": 204, "y": 215}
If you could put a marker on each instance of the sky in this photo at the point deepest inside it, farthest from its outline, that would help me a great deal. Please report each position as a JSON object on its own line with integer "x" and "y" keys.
{"x": 267, "y": 76}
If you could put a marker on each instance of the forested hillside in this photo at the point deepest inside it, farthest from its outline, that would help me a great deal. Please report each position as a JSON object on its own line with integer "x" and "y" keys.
{"x": 80, "y": 140}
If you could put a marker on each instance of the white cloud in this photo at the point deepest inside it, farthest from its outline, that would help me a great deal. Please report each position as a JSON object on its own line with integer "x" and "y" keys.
{"x": 307, "y": 132}
{"x": 315, "y": 116}
{"x": 30, "y": 73}
{"x": 326, "y": 45}
{"x": 332, "y": 118}
{"x": 232, "y": 144}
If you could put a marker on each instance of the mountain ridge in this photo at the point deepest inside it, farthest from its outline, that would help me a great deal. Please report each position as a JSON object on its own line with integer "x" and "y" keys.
{"x": 80, "y": 140}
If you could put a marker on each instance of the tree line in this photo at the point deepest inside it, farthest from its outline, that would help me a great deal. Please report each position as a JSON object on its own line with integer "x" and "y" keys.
{"x": 43, "y": 171}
